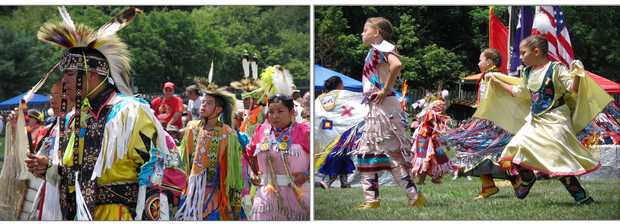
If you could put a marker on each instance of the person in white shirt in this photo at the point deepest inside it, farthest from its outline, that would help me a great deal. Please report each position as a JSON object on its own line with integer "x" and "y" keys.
{"x": 297, "y": 104}
{"x": 193, "y": 104}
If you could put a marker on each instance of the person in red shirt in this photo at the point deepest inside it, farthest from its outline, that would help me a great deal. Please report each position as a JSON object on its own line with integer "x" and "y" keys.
{"x": 168, "y": 108}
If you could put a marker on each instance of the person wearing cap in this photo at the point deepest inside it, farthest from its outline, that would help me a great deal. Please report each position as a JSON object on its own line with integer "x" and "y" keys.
{"x": 296, "y": 94}
{"x": 35, "y": 126}
{"x": 211, "y": 155}
{"x": 36, "y": 133}
{"x": 113, "y": 148}
{"x": 169, "y": 108}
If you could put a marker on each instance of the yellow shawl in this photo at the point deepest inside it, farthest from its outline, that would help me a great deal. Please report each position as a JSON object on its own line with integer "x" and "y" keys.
{"x": 509, "y": 112}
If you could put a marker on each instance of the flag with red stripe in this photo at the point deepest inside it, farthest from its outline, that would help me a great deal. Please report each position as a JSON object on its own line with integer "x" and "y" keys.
{"x": 550, "y": 22}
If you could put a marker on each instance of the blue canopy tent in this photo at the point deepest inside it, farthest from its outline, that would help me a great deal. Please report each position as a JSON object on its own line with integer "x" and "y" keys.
{"x": 321, "y": 74}
{"x": 13, "y": 102}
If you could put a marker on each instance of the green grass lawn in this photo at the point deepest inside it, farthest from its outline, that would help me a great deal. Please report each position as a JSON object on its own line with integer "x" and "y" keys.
{"x": 453, "y": 200}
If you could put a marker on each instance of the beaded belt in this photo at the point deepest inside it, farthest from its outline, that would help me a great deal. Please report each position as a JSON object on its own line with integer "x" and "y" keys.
{"x": 126, "y": 194}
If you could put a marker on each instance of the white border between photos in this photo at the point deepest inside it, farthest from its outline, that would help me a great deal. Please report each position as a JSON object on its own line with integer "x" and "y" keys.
{"x": 312, "y": 93}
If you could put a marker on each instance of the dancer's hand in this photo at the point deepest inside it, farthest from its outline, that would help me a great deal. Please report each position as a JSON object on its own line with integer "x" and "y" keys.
{"x": 379, "y": 96}
{"x": 576, "y": 67}
{"x": 300, "y": 178}
{"x": 254, "y": 179}
{"x": 494, "y": 78}
{"x": 12, "y": 119}
{"x": 489, "y": 75}
{"x": 37, "y": 164}
{"x": 403, "y": 104}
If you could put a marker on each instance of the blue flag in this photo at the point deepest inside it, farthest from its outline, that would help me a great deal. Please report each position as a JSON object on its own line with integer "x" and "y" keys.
{"x": 519, "y": 30}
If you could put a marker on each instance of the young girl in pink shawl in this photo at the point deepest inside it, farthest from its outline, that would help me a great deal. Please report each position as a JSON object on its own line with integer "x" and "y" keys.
{"x": 281, "y": 148}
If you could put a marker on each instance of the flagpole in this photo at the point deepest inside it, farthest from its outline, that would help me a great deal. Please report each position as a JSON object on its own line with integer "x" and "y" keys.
{"x": 509, "y": 40}
{"x": 490, "y": 33}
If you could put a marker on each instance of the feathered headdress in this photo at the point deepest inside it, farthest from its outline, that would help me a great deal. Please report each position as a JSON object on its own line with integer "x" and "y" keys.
{"x": 210, "y": 88}
{"x": 103, "y": 49}
{"x": 274, "y": 80}
{"x": 87, "y": 49}
{"x": 282, "y": 82}
{"x": 246, "y": 84}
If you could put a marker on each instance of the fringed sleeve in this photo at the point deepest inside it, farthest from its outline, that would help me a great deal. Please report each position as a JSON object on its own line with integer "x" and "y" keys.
{"x": 184, "y": 162}
{"x": 234, "y": 180}
{"x": 223, "y": 193}
{"x": 132, "y": 157}
{"x": 186, "y": 147}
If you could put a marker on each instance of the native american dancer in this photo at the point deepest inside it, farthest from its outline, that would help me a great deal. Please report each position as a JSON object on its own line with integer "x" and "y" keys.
{"x": 381, "y": 142}
{"x": 211, "y": 154}
{"x": 112, "y": 149}
{"x": 336, "y": 112}
{"x": 281, "y": 148}
{"x": 429, "y": 156}
{"x": 558, "y": 103}
{"x": 253, "y": 115}
{"x": 479, "y": 142}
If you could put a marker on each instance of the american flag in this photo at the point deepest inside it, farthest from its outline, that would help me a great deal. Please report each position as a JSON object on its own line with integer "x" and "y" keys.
{"x": 549, "y": 21}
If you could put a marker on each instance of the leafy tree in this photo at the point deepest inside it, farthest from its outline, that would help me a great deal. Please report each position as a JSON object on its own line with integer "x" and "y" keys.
{"x": 438, "y": 44}
{"x": 167, "y": 43}
{"x": 333, "y": 47}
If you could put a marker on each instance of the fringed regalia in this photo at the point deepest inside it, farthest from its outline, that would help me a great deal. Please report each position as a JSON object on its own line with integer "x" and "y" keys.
{"x": 46, "y": 205}
{"x": 383, "y": 142}
{"x": 279, "y": 155}
{"x": 478, "y": 142}
{"x": 549, "y": 126}
{"x": 429, "y": 156}
{"x": 278, "y": 197}
{"x": 113, "y": 149}
{"x": 253, "y": 116}
{"x": 213, "y": 160}
{"x": 212, "y": 157}
{"x": 546, "y": 118}
{"x": 337, "y": 114}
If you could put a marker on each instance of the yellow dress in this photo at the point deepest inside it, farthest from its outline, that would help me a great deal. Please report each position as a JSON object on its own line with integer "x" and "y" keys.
{"x": 546, "y": 141}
